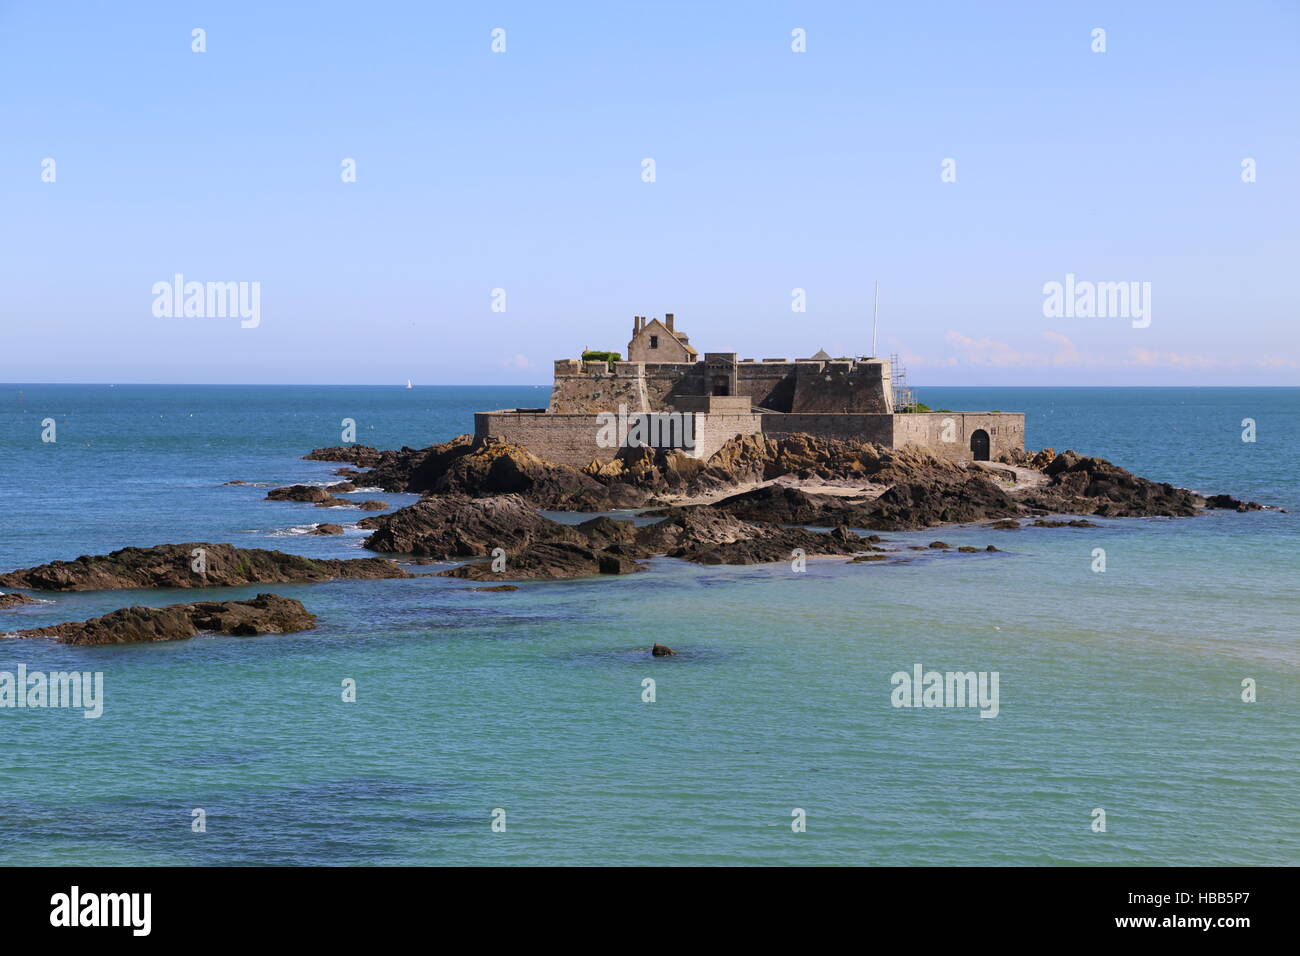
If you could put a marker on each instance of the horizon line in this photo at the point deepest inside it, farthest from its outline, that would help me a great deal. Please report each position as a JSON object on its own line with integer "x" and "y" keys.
{"x": 403, "y": 388}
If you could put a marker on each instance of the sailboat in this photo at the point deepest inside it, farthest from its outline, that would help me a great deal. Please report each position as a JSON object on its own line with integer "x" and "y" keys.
{"x": 408, "y": 384}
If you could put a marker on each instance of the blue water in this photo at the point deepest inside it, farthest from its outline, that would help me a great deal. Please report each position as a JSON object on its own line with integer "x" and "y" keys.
{"x": 1118, "y": 690}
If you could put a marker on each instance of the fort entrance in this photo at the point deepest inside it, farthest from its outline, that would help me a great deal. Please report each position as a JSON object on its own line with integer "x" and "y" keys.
{"x": 979, "y": 445}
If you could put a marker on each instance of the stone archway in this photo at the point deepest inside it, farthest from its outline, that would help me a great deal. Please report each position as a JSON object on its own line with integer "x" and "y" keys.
{"x": 979, "y": 445}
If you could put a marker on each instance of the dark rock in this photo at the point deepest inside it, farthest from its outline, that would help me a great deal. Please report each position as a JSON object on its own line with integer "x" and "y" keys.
{"x": 661, "y": 650}
{"x": 169, "y": 566}
{"x": 939, "y": 544}
{"x": 265, "y": 614}
{"x": 497, "y": 587}
{"x": 363, "y": 456}
{"x": 991, "y": 548}
{"x": 967, "y": 549}
{"x": 1073, "y": 523}
{"x": 373, "y": 506}
{"x": 776, "y": 544}
{"x": 1234, "y": 504}
{"x": 15, "y": 600}
{"x": 931, "y": 500}
{"x": 602, "y": 531}
{"x": 1005, "y": 524}
{"x": 299, "y": 493}
{"x": 327, "y": 529}
{"x": 779, "y": 504}
{"x": 1095, "y": 486}
{"x": 548, "y": 560}
{"x": 451, "y": 526}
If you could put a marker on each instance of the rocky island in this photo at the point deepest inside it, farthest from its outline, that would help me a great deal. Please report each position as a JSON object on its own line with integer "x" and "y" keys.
{"x": 264, "y": 614}
{"x": 756, "y": 499}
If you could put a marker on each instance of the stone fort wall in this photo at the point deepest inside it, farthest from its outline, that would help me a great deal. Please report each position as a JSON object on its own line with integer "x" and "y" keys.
{"x": 948, "y": 434}
{"x": 804, "y": 385}
{"x": 571, "y": 438}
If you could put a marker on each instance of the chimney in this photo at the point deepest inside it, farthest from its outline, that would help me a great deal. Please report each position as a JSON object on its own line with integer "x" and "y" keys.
{"x": 668, "y": 320}
{"x": 636, "y": 324}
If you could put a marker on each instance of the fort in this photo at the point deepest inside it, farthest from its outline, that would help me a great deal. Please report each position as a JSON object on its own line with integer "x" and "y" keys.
{"x": 721, "y": 396}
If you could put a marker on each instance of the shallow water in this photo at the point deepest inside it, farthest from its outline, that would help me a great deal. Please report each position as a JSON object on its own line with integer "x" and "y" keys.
{"x": 1118, "y": 690}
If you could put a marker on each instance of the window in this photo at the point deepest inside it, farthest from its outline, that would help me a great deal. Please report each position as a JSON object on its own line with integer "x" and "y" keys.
{"x": 654, "y": 341}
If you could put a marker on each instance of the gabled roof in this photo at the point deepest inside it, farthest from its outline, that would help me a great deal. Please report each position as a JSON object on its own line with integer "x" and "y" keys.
{"x": 679, "y": 336}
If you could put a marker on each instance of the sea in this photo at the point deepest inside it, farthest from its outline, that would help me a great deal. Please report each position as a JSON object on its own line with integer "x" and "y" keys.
{"x": 1148, "y": 713}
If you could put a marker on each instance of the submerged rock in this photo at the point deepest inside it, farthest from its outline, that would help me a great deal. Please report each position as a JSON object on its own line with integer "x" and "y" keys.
{"x": 265, "y": 614}
{"x": 550, "y": 561}
{"x": 327, "y": 529}
{"x": 173, "y": 566}
{"x": 1231, "y": 503}
{"x": 15, "y": 600}
{"x": 662, "y": 650}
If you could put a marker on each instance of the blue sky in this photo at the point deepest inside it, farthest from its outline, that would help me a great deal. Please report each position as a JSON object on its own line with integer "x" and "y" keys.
{"x": 774, "y": 171}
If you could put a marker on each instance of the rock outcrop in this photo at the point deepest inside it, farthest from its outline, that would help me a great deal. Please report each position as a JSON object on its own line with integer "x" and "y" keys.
{"x": 173, "y": 566}
{"x": 265, "y": 614}
{"x": 1094, "y": 486}
{"x": 455, "y": 525}
{"x": 309, "y": 493}
{"x": 363, "y": 456}
{"x": 1230, "y": 503}
{"x": 482, "y": 496}
{"x": 8, "y": 601}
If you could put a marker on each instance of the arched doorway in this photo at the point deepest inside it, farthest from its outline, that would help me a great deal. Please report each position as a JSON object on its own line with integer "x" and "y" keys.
{"x": 979, "y": 445}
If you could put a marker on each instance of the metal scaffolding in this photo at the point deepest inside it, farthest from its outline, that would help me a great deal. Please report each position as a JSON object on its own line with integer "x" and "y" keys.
{"x": 903, "y": 399}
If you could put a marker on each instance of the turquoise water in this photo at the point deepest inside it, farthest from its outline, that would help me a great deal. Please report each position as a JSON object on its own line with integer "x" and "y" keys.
{"x": 1118, "y": 690}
